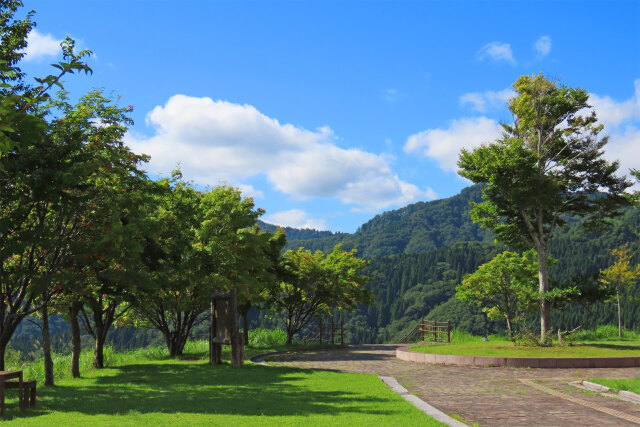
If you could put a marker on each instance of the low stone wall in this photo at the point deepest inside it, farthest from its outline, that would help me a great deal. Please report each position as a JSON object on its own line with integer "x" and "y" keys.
{"x": 403, "y": 353}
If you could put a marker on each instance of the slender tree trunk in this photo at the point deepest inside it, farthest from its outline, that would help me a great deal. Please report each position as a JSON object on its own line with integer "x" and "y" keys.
{"x": 98, "y": 351}
{"x": 289, "y": 338}
{"x": 46, "y": 347}
{"x": 244, "y": 311}
{"x": 545, "y": 307}
{"x": 4, "y": 342}
{"x": 237, "y": 346}
{"x": 509, "y": 328}
{"x": 619, "y": 317}
{"x": 76, "y": 344}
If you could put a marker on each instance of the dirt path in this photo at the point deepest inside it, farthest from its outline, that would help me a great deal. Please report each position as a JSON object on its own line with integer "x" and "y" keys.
{"x": 487, "y": 396}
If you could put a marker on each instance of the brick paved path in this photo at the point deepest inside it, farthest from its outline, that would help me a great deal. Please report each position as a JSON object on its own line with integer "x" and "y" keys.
{"x": 487, "y": 396}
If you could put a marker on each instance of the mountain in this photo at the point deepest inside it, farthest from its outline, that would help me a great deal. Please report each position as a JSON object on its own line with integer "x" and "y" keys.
{"x": 419, "y": 254}
{"x": 416, "y": 228}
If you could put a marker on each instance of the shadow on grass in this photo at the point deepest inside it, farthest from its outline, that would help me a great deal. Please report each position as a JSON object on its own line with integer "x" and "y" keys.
{"x": 204, "y": 389}
{"x": 356, "y": 353}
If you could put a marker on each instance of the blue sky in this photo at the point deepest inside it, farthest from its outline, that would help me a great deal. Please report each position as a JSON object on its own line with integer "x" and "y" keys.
{"x": 329, "y": 113}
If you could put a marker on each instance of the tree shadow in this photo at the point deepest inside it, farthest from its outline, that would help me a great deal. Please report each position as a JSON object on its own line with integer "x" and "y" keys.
{"x": 205, "y": 389}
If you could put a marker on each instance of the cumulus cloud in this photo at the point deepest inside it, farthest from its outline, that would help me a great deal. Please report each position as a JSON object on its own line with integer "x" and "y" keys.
{"x": 614, "y": 113}
{"x": 488, "y": 100}
{"x": 497, "y": 51}
{"x": 40, "y": 46}
{"x": 622, "y": 123}
{"x": 295, "y": 218}
{"x": 222, "y": 141}
{"x": 542, "y": 46}
{"x": 444, "y": 145}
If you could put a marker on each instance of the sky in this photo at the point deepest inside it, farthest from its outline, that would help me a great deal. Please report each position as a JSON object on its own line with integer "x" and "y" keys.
{"x": 329, "y": 113}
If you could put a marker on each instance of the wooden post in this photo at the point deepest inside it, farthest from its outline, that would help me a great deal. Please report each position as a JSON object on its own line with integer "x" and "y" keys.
{"x": 448, "y": 331}
{"x": 342, "y": 334}
{"x": 320, "y": 331}
{"x": 435, "y": 331}
{"x": 422, "y": 326}
{"x": 333, "y": 329}
{"x": 237, "y": 347}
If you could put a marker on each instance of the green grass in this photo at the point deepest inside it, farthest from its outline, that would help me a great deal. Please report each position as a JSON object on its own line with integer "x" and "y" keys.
{"x": 603, "y": 342}
{"x": 617, "y": 384}
{"x": 144, "y": 387}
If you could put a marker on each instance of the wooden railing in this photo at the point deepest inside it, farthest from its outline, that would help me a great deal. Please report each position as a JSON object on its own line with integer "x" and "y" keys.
{"x": 432, "y": 330}
{"x": 326, "y": 333}
{"x": 428, "y": 330}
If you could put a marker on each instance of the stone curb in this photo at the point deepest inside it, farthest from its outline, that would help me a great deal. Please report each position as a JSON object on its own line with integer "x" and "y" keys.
{"x": 622, "y": 394}
{"x": 403, "y": 353}
{"x": 419, "y": 403}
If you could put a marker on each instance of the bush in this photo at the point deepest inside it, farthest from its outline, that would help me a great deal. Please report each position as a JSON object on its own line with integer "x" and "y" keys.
{"x": 262, "y": 338}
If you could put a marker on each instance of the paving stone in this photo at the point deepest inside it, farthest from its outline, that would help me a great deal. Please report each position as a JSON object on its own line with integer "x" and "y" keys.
{"x": 488, "y": 396}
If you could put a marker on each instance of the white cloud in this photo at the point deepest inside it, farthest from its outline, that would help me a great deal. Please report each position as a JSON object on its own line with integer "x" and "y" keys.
{"x": 483, "y": 101}
{"x": 497, "y": 51}
{"x": 614, "y": 113}
{"x": 444, "y": 145}
{"x": 295, "y": 218}
{"x": 391, "y": 95}
{"x": 543, "y": 46}
{"x": 250, "y": 191}
{"x": 40, "y": 46}
{"x": 221, "y": 141}
{"x": 622, "y": 123}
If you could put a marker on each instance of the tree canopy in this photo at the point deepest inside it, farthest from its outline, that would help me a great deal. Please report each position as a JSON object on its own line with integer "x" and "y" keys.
{"x": 546, "y": 166}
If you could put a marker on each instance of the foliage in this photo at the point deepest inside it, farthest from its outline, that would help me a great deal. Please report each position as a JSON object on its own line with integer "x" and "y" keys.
{"x": 316, "y": 284}
{"x": 264, "y": 338}
{"x": 620, "y": 276}
{"x": 547, "y": 164}
{"x": 505, "y": 287}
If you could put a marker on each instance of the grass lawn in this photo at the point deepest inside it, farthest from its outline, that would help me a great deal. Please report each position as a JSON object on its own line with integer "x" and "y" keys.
{"x": 173, "y": 392}
{"x": 506, "y": 349}
{"x": 617, "y": 384}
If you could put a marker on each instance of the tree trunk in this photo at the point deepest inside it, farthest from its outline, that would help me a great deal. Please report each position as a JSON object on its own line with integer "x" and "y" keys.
{"x": 98, "y": 351}
{"x": 619, "y": 317}
{"x": 509, "y": 328}
{"x": 76, "y": 344}
{"x": 46, "y": 347}
{"x": 289, "y": 338}
{"x": 3, "y": 348}
{"x": 545, "y": 307}
{"x": 244, "y": 311}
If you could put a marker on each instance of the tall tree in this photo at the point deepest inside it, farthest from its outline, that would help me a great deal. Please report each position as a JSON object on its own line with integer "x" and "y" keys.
{"x": 620, "y": 276}
{"x": 547, "y": 165}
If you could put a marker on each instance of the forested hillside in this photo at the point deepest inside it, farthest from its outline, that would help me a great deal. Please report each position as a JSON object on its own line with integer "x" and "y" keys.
{"x": 418, "y": 254}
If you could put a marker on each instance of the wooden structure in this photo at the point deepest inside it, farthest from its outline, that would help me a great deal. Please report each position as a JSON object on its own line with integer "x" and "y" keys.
{"x": 224, "y": 328}
{"x": 432, "y": 330}
{"x": 7, "y": 375}
{"x": 428, "y": 330}
{"x": 326, "y": 333}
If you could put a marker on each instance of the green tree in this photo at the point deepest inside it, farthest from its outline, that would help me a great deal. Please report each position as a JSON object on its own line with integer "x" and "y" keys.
{"x": 316, "y": 284}
{"x": 620, "y": 276}
{"x": 547, "y": 165}
{"x": 505, "y": 287}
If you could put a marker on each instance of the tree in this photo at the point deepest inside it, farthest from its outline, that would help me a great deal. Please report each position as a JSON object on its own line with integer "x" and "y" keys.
{"x": 316, "y": 284}
{"x": 546, "y": 166}
{"x": 34, "y": 169}
{"x": 620, "y": 276}
{"x": 505, "y": 287}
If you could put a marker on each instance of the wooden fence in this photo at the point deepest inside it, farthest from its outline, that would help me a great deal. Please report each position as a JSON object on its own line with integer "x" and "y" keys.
{"x": 428, "y": 330}
{"x": 326, "y": 333}
{"x": 435, "y": 331}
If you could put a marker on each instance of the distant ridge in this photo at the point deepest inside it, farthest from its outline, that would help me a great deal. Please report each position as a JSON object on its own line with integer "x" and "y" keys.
{"x": 416, "y": 228}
